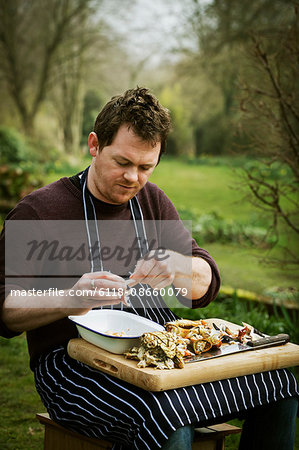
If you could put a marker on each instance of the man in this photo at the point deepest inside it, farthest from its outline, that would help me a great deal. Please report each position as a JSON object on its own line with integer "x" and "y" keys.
{"x": 126, "y": 145}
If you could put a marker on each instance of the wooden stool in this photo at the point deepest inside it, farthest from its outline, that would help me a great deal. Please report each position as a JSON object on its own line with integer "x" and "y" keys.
{"x": 59, "y": 438}
{"x": 213, "y": 437}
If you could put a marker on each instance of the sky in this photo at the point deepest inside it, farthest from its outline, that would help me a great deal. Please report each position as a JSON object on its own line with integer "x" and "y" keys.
{"x": 151, "y": 29}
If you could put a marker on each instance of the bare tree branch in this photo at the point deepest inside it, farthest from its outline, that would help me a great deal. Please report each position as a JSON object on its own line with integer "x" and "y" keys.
{"x": 271, "y": 120}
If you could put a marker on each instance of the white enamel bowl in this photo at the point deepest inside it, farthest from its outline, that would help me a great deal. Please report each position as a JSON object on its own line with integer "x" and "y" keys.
{"x": 94, "y": 325}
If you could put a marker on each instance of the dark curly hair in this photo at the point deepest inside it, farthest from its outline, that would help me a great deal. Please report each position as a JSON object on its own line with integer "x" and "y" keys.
{"x": 141, "y": 111}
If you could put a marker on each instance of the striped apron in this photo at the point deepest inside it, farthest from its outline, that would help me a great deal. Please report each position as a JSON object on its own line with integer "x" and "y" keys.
{"x": 90, "y": 402}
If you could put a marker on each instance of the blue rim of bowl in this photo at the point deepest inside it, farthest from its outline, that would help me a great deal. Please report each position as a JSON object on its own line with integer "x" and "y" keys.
{"x": 111, "y": 336}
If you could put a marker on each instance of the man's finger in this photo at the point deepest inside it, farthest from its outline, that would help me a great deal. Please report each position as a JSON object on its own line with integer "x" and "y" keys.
{"x": 104, "y": 275}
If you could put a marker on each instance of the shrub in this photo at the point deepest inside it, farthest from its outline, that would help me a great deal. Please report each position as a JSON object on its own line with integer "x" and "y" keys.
{"x": 13, "y": 148}
{"x": 15, "y": 183}
{"x": 19, "y": 172}
{"x": 214, "y": 228}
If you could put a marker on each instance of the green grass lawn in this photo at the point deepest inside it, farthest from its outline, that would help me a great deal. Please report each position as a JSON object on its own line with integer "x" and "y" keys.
{"x": 19, "y": 400}
{"x": 240, "y": 268}
{"x": 202, "y": 188}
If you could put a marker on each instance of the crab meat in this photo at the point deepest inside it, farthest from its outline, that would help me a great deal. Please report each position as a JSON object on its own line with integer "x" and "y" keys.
{"x": 159, "y": 349}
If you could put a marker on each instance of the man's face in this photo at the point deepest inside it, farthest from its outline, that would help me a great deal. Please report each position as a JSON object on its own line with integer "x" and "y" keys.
{"x": 121, "y": 169}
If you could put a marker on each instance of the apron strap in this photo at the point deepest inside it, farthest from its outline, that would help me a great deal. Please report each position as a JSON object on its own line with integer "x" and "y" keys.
{"x": 139, "y": 226}
{"x": 92, "y": 229}
{"x": 93, "y": 236}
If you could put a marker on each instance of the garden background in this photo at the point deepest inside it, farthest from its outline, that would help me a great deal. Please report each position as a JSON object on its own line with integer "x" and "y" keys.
{"x": 227, "y": 70}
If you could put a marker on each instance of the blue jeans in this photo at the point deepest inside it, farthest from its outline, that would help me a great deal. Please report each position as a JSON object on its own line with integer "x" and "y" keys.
{"x": 270, "y": 427}
{"x": 180, "y": 439}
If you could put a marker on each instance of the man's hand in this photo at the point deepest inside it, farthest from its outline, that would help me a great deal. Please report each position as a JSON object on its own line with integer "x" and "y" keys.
{"x": 157, "y": 271}
{"x": 93, "y": 290}
{"x": 23, "y": 313}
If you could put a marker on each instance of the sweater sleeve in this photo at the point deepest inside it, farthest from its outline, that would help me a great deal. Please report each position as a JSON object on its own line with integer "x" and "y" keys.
{"x": 175, "y": 236}
{"x": 21, "y": 212}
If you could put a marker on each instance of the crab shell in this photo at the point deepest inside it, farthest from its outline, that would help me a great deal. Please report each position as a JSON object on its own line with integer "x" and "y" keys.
{"x": 199, "y": 332}
{"x": 183, "y": 326}
{"x": 201, "y": 345}
{"x": 183, "y": 323}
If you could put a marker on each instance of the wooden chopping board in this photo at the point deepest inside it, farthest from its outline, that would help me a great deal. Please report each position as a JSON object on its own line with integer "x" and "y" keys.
{"x": 151, "y": 379}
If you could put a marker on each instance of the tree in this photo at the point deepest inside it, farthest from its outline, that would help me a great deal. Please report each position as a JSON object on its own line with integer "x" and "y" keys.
{"x": 70, "y": 77}
{"x": 270, "y": 104}
{"x": 31, "y": 34}
{"x": 215, "y": 37}
{"x": 180, "y": 139}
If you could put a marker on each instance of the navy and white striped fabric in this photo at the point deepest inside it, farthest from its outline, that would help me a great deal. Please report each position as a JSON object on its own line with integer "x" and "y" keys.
{"x": 97, "y": 405}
